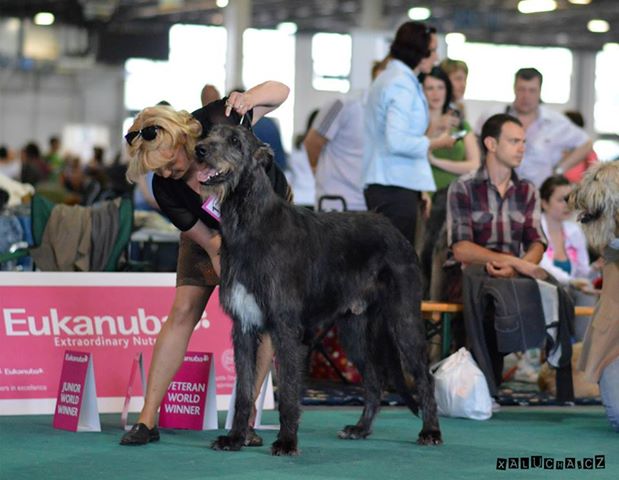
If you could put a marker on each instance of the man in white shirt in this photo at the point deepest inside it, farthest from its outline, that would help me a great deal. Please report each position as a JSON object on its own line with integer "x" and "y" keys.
{"x": 335, "y": 150}
{"x": 549, "y": 134}
{"x": 335, "y": 147}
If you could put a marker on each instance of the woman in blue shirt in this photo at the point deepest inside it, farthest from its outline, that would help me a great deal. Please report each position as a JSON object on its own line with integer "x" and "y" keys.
{"x": 396, "y": 166}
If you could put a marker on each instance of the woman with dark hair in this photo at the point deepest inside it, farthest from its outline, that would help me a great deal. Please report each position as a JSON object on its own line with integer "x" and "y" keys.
{"x": 396, "y": 167}
{"x": 447, "y": 165}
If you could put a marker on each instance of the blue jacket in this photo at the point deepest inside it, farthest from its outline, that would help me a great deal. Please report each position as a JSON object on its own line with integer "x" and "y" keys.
{"x": 396, "y": 120}
{"x": 267, "y": 130}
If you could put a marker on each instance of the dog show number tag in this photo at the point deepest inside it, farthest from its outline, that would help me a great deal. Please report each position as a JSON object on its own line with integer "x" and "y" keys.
{"x": 211, "y": 206}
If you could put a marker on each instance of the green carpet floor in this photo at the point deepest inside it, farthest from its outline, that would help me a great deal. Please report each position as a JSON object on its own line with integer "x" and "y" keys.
{"x": 31, "y": 449}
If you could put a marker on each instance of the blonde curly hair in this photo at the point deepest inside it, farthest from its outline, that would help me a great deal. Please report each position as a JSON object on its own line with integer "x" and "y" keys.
{"x": 177, "y": 128}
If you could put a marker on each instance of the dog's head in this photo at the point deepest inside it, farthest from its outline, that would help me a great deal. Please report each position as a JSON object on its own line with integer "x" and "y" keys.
{"x": 226, "y": 155}
{"x": 597, "y": 199}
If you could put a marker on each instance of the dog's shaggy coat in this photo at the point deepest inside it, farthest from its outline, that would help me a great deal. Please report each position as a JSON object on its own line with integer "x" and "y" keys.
{"x": 286, "y": 270}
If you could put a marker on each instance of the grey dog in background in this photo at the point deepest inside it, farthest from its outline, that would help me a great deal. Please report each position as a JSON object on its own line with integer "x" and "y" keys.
{"x": 286, "y": 270}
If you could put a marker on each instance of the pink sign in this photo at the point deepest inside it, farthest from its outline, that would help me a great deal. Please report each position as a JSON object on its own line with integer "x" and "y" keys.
{"x": 137, "y": 368}
{"x": 112, "y": 316}
{"x": 76, "y": 389}
{"x": 189, "y": 401}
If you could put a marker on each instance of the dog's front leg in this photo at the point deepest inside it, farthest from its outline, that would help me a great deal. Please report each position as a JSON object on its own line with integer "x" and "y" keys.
{"x": 289, "y": 352}
{"x": 245, "y": 346}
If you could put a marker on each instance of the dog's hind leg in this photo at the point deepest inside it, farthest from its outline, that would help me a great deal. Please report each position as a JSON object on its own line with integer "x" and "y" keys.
{"x": 290, "y": 354}
{"x": 245, "y": 347}
{"x": 353, "y": 336}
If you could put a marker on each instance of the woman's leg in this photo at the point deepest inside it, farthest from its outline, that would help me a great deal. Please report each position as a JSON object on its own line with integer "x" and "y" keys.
{"x": 609, "y": 389}
{"x": 171, "y": 345}
{"x": 264, "y": 357}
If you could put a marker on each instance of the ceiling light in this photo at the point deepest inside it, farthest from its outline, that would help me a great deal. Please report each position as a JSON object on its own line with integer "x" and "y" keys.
{"x": 221, "y": 3}
{"x": 455, "y": 38}
{"x": 289, "y": 28}
{"x": 419, "y": 13}
{"x": 598, "y": 26}
{"x": 580, "y": 2}
{"x": 44, "y": 18}
{"x": 536, "y": 6}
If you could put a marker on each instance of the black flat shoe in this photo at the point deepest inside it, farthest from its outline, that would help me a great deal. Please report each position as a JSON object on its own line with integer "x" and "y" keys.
{"x": 253, "y": 439}
{"x": 140, "y": 434}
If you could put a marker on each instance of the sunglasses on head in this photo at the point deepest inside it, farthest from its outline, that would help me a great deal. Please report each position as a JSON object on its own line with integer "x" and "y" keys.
{"x": 147, "y": 133}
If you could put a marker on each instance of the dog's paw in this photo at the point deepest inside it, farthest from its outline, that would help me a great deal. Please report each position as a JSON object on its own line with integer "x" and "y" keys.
{"x": 226, "y": 442}
{"x": 253, "y": 439}
{"x": 431, "y": 437}
{"x": 353, "y": 432}
{"x": 284, "y": 447}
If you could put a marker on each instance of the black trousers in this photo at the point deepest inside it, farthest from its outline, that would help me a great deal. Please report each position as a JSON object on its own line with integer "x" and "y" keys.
{"x": 400, "y": 205}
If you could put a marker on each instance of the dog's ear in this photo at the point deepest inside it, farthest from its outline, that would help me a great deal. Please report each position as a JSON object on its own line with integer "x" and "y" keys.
{"x": 263, "y": 155}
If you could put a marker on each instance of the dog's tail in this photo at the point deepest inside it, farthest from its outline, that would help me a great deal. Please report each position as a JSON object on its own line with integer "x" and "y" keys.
{"x": 396, "y": 376}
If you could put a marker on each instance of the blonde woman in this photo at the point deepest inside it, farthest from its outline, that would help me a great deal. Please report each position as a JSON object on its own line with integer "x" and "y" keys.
{"x": 163, "y": 140}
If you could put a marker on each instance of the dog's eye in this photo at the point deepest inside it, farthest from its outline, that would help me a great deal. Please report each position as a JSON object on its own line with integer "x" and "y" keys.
{"x": 200, "y": 152}
{"x": 234, "y": 141}
{"x": 588, "y": 217}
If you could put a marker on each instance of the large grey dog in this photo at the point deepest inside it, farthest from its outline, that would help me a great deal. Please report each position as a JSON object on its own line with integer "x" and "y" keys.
{"x": 285, "y": 270}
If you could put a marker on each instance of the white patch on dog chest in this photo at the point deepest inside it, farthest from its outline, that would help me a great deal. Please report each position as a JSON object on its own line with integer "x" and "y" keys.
{"x": 245, "y": 308}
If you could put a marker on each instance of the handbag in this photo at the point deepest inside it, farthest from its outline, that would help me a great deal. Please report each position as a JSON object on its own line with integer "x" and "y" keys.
{"x": 460, "y": 387}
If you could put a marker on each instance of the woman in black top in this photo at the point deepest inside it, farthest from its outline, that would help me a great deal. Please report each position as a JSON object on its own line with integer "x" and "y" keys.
{"x": 163, "y": 140}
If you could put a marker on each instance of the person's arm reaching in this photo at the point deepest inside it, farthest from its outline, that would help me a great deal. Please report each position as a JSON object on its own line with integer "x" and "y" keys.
{"x": 262, "y": 98}
{"x": 314, "y": 142}
{"x": 574, "y": 157}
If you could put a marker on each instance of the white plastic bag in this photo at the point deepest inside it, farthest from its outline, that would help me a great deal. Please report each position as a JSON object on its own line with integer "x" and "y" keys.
{"x": 460, "y": 387}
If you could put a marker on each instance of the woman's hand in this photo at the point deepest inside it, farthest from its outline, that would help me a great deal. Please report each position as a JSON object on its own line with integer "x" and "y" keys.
{"x": 241, "y": 103}
{"x": 426, "y": 205}
{"x": 444, "y": 140}
{"x": 449, "y": 121}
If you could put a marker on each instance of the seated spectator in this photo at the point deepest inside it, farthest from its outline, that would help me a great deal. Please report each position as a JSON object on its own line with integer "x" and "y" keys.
{"x": 494, "y": 232}
{"x": 33, "y": 167}
{"x": 95, "y": 168}
{"x": 53, "y": 159}
{"x": 9, "y": 165}
{"x": 566, "y": 257}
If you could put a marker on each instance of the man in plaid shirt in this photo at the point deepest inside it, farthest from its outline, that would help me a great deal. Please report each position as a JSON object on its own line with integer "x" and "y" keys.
{"x": 493, "y": 217}
{"x": 493, "y": 231}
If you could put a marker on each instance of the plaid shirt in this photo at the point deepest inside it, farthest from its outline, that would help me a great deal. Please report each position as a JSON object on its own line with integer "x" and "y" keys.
{"x": 477, "y": 213}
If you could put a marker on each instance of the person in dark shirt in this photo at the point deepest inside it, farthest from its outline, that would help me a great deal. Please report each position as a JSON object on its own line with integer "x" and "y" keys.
{"x": 163, "y": 140}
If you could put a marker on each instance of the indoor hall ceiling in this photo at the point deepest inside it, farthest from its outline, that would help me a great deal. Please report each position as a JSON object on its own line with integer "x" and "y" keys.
{"x": 495, "y": 21}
